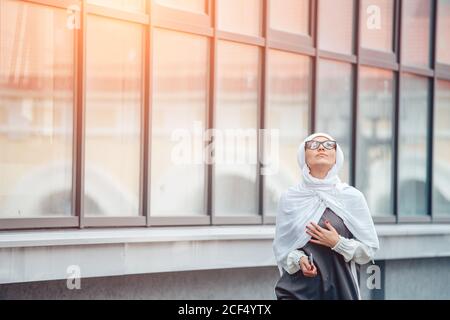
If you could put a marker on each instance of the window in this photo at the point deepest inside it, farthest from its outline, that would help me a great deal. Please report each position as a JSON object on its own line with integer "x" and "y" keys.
{"x": 441, "y": 167}
{"x": 336, "y": 25}
{"x": 178, "y": 123}
{"x": 290, "y": 16}
{"x": 36, "y": 111}
{"x": 416, "y": 33}
{"x": 334, "y": 106}
{"x": 113, "y": 117}
{"x": 196, "y": 6}
{"x": 377, "y": 24}
{"x": 375, "y": 139}
{"x": 443, "y": 32}
{"x": 236, "y": 119}
{"x": 239, "y": 16}
{"x": 128, "y": 5}
{"x": 412, "y": 146}
{"x": 288, "y": 103}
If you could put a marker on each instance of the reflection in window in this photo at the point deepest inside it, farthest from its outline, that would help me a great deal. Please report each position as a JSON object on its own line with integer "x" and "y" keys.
{"x": 236, "y": 116}
{"x": 290, "y": 16}
{"x": 377, "y": 24}
{"x": 443, "y": 32}
{"x": 416, "y": 32}
{"x": 336, "y": 25}
{"x": 441, "y": 167}
{"x": 334, "y": 105}
{"x": 113, "y": 108}
{"x": 178, "y": 123}
{"x": 412, "y": 146}
{"x": 127, "y": 5}
{"x": 288, "y": 112}
{"x": 36, "y": 111}
{"x": 196, "y": 6}
{"x": 374, "y": 139}
{"x": 240, "y": 16}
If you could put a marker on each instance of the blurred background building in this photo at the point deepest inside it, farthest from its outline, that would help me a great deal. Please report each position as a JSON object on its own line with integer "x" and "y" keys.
{"x": 92, "y": 91}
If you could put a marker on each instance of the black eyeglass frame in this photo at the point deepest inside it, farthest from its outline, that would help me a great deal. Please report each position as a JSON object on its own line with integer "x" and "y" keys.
{"x": 320, "y": 143}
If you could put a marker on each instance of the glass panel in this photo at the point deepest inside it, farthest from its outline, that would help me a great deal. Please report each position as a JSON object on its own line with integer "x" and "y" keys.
{"x": 443, "y": 32}
{"x": 441, "y": 167}
{"x": 334, "y": 106}
{"x": 336, "y": 25}
{"x": 290, "y": 15}
{"x": 416, "y": 32}
{"x": 178, "y": 123}
{"x": 36, "y": 111}
{"x": 240, "y": 16}
{"x": 127, "y": 5}
{"x": 235, "y": 188}
{"x": 377, "y": 24}
{"x": 113, "y": 115}
{"x": 375, "y": 139}
{"x": 197, "y": 6}
{"x": 288, "y": 103}
{"x": 412, "y": 164}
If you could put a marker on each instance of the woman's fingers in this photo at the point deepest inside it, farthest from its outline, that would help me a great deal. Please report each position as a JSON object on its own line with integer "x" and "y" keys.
{"x": 317, "y": 227}
{"x": 310, "y": 272}
{"x": 316, "y": 241}
{"x": 314, "y": 231}
{"x": 312, "y": 234}
{"x": 329, "y": 226}
{"x": 306, "y": 268}
{"x": 314, "y": 269}
{"x": 304, "y": 263}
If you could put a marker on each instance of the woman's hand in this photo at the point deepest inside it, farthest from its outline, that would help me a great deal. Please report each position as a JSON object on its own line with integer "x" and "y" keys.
{"x": 326, "y": 237}
{"x": 309, "y": 270}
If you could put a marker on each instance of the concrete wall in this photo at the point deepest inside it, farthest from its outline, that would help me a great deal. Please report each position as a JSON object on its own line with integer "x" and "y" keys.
{"x": 418, "y": 279}
{"x": 400, "y": 279}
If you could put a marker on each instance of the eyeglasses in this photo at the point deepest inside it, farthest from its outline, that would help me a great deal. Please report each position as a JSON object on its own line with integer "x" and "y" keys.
{"x": 313, "y": 144}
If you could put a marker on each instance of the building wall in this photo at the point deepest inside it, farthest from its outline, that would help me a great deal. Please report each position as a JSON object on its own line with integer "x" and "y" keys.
{"x": 403, "y": 279}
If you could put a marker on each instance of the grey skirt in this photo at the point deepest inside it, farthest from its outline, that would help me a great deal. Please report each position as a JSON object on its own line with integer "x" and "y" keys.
{"x": 334, "y": 280}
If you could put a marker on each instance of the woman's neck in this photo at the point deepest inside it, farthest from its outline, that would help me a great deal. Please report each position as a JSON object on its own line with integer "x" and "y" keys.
{"x": 319, "y": 173}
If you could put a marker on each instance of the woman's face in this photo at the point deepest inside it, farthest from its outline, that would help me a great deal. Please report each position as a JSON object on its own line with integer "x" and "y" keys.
{"x": 320, "y": 157}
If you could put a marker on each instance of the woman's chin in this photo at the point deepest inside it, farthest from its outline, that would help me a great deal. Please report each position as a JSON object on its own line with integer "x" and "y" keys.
{"x": 321, "y": 162}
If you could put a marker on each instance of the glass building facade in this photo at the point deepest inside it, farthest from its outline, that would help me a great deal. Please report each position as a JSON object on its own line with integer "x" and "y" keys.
{"x": 95, "y": 97}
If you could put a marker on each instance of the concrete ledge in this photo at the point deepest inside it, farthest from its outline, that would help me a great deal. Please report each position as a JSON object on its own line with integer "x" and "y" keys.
{"x": 45, "y": 254}
{"x": 9, "y": 239}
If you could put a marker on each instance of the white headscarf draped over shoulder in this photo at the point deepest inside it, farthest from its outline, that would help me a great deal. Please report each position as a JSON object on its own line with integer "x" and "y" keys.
{"x": 307, "y": 201}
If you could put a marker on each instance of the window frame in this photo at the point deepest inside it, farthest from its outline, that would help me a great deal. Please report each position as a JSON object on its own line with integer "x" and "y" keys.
{"x": 73, "y": 220}
{"x": 377, "y": 57}
{"x": 206, "y": 25}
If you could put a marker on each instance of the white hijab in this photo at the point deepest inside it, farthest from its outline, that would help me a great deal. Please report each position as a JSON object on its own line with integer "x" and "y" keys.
{"x": 307, "y": 201}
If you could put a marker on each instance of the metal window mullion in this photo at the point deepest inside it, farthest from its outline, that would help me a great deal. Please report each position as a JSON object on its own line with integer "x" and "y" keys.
{"x": 211, "y": 110}
{"x": 263, "y": 87}
{"x": 399, "y": 29}
{"x": 355, "y": 103}
{"x": 145, "y": 166}
{"x": 315, "y": 66}
{"x": 434, "y": 39}
{"x": 80, "y": 116}
{"x": 212, "y": 46}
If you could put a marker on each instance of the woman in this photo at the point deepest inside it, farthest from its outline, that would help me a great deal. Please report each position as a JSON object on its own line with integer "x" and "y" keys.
{"x": 324, "y": 228}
